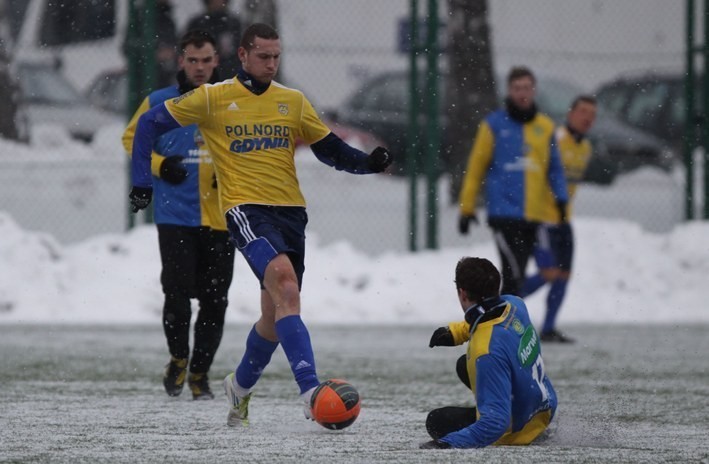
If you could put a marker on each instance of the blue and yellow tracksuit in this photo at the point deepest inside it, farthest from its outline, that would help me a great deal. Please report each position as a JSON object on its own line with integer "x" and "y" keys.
{"x": 194, "y": 202}
{"x": 517, "y": 161}
{"x": 515, "y": 399}
{"x": 575, "y": 155}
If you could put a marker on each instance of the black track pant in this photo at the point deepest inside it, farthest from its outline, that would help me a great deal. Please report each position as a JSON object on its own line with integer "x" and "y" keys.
{"x": 197, "y": 262}
{"x": 515, "y": 242}
{"x": 442, "y": 421}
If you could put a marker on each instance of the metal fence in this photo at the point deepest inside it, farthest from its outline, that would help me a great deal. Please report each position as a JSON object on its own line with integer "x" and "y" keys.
{"x": 67, "y": 175}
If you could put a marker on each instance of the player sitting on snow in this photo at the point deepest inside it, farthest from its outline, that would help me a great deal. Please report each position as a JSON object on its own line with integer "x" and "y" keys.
{"x": 503, "y": 367}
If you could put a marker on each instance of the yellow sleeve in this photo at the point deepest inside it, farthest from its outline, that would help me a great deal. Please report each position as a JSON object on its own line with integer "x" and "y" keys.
{"x": 312, "y": 129}
{"x": 478, "y": 162}
{"x": 190, "y": 107}
{"x": 128, "y": 135}
{"x": 460, "y": 331}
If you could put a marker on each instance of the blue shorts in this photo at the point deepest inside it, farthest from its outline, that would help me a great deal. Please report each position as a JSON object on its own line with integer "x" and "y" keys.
{"x": 262, "y": 232}
{"x": 554, "y": 246}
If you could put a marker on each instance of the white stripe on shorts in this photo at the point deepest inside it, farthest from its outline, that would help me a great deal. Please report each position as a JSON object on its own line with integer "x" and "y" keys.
{"x": 243, "y": 224}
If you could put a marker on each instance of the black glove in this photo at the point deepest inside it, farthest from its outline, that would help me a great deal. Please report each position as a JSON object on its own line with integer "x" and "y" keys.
{"x": 464, "y": 223}
{"x": 172, "y": 170}
{"x": 140, "y": 198}
{"x": 435, "y": 444}
{"x": 379, "y": 159}
{"x": 561, "y": 205}
{"x": 442, "y": 336}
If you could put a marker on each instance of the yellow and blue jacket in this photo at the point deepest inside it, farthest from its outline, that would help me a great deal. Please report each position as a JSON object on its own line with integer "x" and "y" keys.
{"x": 517, "y": 162}
{"x": 515, "y": 399}
{"x": 194, "y": 202}
{"x": 575, "y": 155}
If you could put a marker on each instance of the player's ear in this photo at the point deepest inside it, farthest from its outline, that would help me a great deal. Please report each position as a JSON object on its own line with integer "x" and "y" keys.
{"x": 463, "y": 298}
{"x": 241, "y": 53}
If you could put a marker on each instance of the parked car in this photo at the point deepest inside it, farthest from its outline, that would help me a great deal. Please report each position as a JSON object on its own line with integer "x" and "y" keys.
{"x": 652, "y": 102}
{"x": 109, "y": 91}
{"x": 381, "y": 105}
{"x": 47, "y": 97}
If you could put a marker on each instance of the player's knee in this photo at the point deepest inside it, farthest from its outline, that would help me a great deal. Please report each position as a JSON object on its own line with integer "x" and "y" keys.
{"x": 434, "y": 425}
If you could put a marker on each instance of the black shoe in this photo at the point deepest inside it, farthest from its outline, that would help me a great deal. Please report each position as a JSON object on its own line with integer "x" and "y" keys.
{"x": 174, "y": 377}
{"x": 199, "y": 384}
{"x": 554, "y": 336}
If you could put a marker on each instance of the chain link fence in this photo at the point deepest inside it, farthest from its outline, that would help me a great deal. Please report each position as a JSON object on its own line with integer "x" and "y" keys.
{"x": 63, "y": 170}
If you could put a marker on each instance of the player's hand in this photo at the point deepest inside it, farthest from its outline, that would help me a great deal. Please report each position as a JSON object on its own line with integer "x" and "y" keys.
{"x": 140, "y": 198}
{"x": 379, "y": 159}
{"x": 435, "y": 444}
{"x": 442, "y": 336}
{"x": 464, "y": 223}
{"x": 172, "y": 170}
{"x": 561, "y": 205}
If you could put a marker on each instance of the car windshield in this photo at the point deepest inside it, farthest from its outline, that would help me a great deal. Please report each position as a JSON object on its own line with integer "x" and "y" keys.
{"x": 45, "y": 84}
{"x": 554, "y": 97}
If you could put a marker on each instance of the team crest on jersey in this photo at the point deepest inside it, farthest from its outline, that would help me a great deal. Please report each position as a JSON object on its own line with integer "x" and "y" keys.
{"x": 198, "y": 139}
{"x": 177, "y": 100}
{"x": 283, "y": 109}
{"x": 517, "y": 326}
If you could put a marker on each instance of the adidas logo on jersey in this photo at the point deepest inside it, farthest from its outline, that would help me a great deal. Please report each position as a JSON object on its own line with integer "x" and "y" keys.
{"x": 232, "y": 107}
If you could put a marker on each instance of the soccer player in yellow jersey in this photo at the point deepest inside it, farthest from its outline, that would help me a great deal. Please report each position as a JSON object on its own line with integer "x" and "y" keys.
{"x": 554, "y": 248}
{"x": 250, "y": 124}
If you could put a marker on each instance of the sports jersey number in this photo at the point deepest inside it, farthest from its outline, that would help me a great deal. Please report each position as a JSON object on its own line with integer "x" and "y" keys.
{"x": 538, "y": 374}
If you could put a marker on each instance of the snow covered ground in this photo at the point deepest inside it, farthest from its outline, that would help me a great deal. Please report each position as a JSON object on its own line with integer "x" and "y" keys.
{"x": 622, "y": 275}
{"x": 92, "y": 394}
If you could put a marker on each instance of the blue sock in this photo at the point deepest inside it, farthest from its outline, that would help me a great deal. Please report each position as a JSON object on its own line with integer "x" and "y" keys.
{"x": 554, "y": 300}
{"x": 256, "y": 358}
{"x": 532, "y": 284}
{"x": 295, "y": 341}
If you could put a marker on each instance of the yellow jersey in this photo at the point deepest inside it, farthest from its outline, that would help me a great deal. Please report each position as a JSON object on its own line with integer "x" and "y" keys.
{"x": 575, "y": 157}
{"x": 251, "y": 138}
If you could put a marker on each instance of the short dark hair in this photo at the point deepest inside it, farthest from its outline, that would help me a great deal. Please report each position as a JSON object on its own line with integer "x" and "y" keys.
{"x": 198, "y": 38}
{"x": 584, "y": 99}
{"x": 261, "y": 30}
{"x": 478, "y": 278}
{"x": 518, "y": 72}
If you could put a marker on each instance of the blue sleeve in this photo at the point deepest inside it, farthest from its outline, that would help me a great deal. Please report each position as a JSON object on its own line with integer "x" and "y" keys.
{"x": 493, "y": 393}
{"x": 557, "y": 178}
{"x": 333, "y": 151}
{"x": 151, "y": 125}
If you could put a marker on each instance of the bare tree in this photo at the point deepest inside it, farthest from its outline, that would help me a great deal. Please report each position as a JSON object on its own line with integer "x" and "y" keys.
{"x": 470, "y": 87}
{"x": 261, "y": 11}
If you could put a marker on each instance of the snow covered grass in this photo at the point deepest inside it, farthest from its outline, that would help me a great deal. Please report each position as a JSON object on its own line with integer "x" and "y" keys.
{"x": 94, "y": 394}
